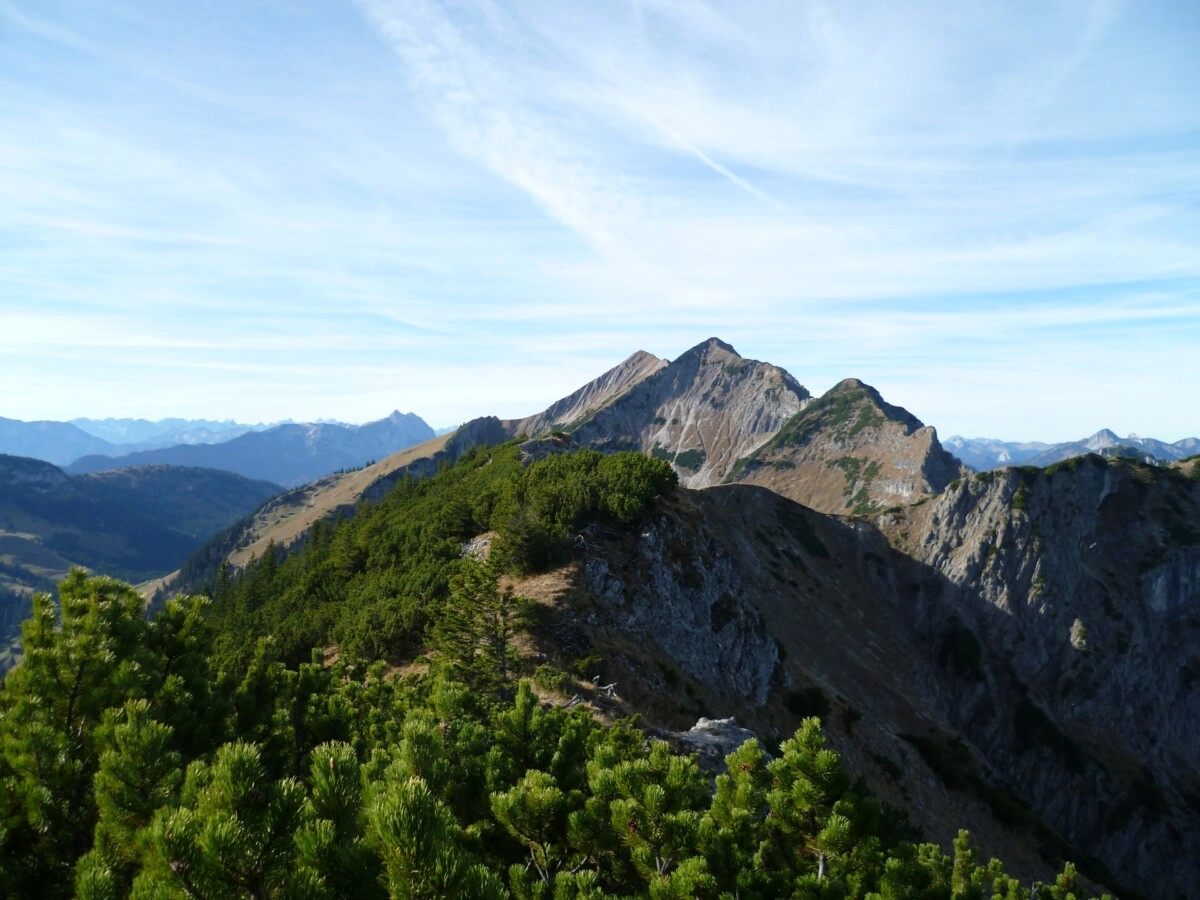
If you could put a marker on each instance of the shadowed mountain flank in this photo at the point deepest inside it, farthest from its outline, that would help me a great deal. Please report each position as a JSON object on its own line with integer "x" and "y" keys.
{"x": 1081, "y": 585}
{"x": 131, "y": 523}
{"x": 1018, "y": 655}
{"x": 134, "y": 524}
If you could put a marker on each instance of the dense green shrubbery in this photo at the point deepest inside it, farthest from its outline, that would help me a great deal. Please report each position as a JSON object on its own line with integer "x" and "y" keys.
{"x": 132, "y": 767}
{"x": 211, "y": 752}
{"x": 374, "y": 583}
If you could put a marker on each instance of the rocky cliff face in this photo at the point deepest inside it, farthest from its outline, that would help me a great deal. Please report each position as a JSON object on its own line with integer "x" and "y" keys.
{"x": 716, "y": 416}
{"x": 701, "y": 412}
{"x": 1020, "y": 655}
{"x": 690, "y": 600}
{"x": 736, "y": 601}
{"x": 1081, "y": 588}
{"x": 591, "y": 398}
{"x": 849, "y": 452}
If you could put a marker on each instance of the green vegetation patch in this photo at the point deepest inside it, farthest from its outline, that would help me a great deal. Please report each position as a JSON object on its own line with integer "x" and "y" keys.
{"x": 794, "y": 521}
{"x": 690, "y": 459}
{"x": 850, "y": 466}
{"x": 374, "y": 583}
{"x": 741, "y": 466}
{"x": 868, "y": 417}
{"x": 1180, "y": 528}
{"x": 824, "y": 412}
{"x": 949, "y": 759}
{"x": 182, "y": 778}
{"x": 890, "y": 767}
{"x": 1066, "y": 465}
{"x": 857, "y": 489}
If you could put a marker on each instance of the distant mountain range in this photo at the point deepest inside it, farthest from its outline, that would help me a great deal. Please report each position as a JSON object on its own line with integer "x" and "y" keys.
{"x": 54, "y": 442}
{"x": 286, "y": 454}
{"x": 63, "y": 442}
{"x": 85, "y": 445}
{"x": 141, "y": 434}
{"x": 983, "y": 454}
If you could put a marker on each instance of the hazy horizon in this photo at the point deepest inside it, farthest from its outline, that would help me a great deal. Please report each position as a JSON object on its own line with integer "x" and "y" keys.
{"x": 445, "y": 427}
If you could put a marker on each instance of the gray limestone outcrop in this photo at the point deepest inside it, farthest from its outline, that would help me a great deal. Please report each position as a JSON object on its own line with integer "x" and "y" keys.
{"x": 1080, "y": 589}
{"x": 701, "y": 412}
{"x": 568, "y": 412}
{"x": 711, "y": 740}
{"x": 693, "y": 608}
{"x": 1042, "y": 626}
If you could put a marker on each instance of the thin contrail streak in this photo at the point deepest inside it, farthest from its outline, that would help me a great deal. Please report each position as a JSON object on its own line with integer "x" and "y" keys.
{"x": 720, "y": 169}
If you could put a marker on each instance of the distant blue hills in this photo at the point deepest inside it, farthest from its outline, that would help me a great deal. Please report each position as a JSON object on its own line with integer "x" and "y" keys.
{"x": 283, "y": 453}
{"x": 132, "y": 435}
{"x": 983, "y": 454}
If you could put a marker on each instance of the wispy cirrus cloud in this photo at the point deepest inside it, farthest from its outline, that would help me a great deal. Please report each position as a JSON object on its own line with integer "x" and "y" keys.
{"x": 399, "y": 197}
{"x": 881, "y": 144}
{"x": 887, "y": 176}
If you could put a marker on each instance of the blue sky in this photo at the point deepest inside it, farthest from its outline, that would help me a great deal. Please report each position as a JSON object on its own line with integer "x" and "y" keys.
{"x": 272, "y": 209}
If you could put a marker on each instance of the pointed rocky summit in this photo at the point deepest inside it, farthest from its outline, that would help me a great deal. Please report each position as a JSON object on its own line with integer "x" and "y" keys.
{"x": 700, "y": 413}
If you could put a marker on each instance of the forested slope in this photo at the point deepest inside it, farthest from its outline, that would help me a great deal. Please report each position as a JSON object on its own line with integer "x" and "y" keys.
{"x": 264, "y": 744}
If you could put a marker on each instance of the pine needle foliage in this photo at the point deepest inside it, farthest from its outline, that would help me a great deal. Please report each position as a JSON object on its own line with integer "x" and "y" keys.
{"x": 331, "y": 781}
{"x": 375, "y": 583}
{"x": 215, "y": 751}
